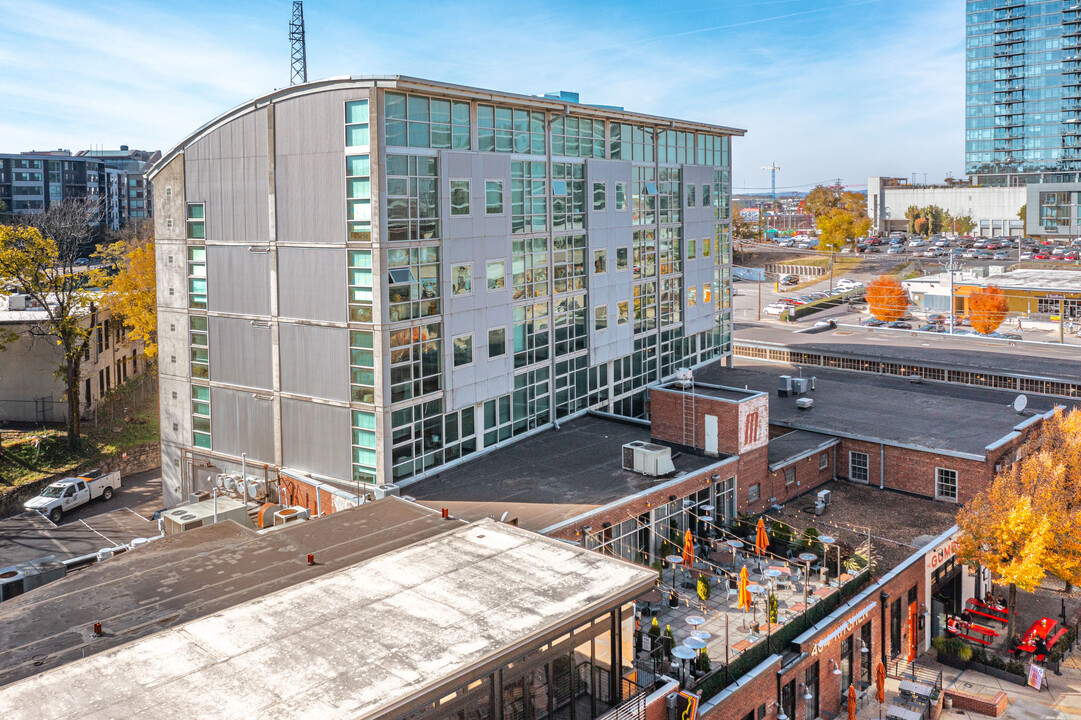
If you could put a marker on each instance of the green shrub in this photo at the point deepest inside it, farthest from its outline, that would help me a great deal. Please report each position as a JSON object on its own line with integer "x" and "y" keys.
{"x": 654, "y": 629}
{"x": 938, "y": 642}
{"x": 964, "y": 653}
{"x": 659, "y": 567}
{"x": 810, "y": 541}
{"x": 772, "y": 608}
{"x": 702, "y": 662}
{"x": 703, "y": 588}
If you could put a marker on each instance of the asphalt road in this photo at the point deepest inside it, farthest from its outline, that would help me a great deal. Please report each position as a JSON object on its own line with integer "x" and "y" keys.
{"x": 96, "y": 525}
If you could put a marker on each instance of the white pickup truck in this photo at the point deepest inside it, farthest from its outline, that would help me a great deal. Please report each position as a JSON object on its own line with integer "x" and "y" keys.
{"x": 69, "y": 493}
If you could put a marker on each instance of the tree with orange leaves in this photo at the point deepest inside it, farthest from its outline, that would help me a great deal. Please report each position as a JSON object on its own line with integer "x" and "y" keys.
{"x": 130, "y": 284}
{"x": 987, "y": 307}
{"x": 1027, "y": 524}
{"x": 886, "y": 298}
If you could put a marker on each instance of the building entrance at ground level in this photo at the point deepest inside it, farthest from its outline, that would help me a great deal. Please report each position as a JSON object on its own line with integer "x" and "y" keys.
{"x": 945, "y": 595}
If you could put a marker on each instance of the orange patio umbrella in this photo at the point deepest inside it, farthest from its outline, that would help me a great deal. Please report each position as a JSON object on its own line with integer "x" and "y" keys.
{"x": 688, "y": 551}
{"x": 761, "y": 540}
{"x": 880, "y": 682}
{"x": 851, "y": 702}
{"x": 744, "y": 594}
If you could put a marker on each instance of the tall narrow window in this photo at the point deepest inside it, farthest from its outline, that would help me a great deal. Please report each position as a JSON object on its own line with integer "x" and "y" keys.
{"x": 621, "y": 196}
{"x": 361, "y": 366}
{"x": 493, "y": 197}
{"x": 200, "y": 416}
{"x": 600, "y": 196}
{"x": 459, "y": 197}
{"x": 200, "y": 351}
{"x": 364, "y": 444}
{"x": 196, "y": 221}
{"x": 356, "y": 124}
{"x": 197, "y": 277}
{"x": 358, "y": 194}
{"x": 360, "y": 285}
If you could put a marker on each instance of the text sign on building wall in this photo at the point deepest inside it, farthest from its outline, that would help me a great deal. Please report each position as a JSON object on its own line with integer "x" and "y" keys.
{"x": 942, "y": 553}
{"x": 840, "y": 630}
{"x": 753, "y": 423}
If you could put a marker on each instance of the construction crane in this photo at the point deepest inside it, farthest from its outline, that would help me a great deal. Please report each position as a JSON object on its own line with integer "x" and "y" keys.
{"x": 299, "y": 58}
{"x": 772, "y": 167}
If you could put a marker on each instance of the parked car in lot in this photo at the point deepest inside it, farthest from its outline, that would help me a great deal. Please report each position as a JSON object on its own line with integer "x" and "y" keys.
{"x": 789, "y": 280}
{"x": 1026, "y": 256}
{"x": 775, "y": 308}
{"x": 930, "y": 327}
{"x": 787, "y": 242}
{"x": 873, "y": 322}
{"x": 1041, "y": 256}
{"x": 896, "y": 250}
{"x": 899, "y": 325}
{"x": 65, "y": 495}
{"x": 1001, "y": 255}
{"x": 1070, "y": 255}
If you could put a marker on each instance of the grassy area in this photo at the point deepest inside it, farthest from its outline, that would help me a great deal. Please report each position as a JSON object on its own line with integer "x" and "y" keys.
{"x": 841, "y": 263}
{"x": 129, "y": 418}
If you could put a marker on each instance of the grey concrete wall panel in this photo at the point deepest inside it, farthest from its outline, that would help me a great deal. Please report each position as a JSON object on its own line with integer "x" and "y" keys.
{"x": 240, "y": 352}
{"x": 240, "y": 422}
{"x": 315, "y": 361}
{"x": 169, "y": 203}
{"x": 313, "y": 283}
{"x": 171, "y": 489}
{"x": 317, "y": 438}
{"x": 175, "y": 397}
{"x": 171, "y": 266}
{"x": 310, "y": 156}
{"x": 238, "y": 279}
{"x": 173, "y": 343}
{"x": 227, "y": 169}
{"x": 476, "y": 168}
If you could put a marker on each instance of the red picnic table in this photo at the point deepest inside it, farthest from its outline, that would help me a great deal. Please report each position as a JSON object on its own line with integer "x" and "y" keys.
{"x": 1041, "y": 629}
{"x": 989, "y": 610}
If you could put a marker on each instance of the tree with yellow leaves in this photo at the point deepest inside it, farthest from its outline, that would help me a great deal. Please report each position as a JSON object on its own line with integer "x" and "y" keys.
{"x": 886, "y": 299}
{"x": 1027, "y": 524}
{"x": 131, "y": 293}
{"x": 987, "y": 307}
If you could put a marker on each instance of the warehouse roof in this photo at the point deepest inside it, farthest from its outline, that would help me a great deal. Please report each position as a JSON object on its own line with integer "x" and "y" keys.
{"x": 1040, "y": 280}
{"x": 377, "y": 638}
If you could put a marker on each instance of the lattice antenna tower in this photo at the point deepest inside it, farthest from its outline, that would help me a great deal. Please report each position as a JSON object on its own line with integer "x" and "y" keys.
{"x": 299, "y": 57}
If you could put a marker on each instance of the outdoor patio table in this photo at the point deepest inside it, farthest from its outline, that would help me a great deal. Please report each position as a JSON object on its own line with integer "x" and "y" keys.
{"x": 695, "y": 620}
{"x": 899, "y": 713}
{"x": 742, "y": 645}
{"x": 797, "y": 608}
{"x": 1039, "y": 629}
{"x": 823, "y": 591}
{"x": 781, "y": 569}
{"x": 808, "y": 557}
{"x": 911, "y": 687}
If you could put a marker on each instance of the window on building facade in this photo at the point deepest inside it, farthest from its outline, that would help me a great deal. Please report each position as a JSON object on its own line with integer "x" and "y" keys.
{"x": 497, "y": 342}
{"x": 412, "y": 197}
{"x": 622, "y": 254}
{"x": 946, "y": 484}
{"x": 631, "y": 142}
{"x": 753, "y": 493}
{"x": 622, "y": 314}
{"x": 360, "y": 286}
{"x": 197, "y": 277}
{"x": 789, "y": 475}
{"x": 569, "y": 263}
{"x": 530, "y": 333}
{"x": 823, "y": 461}
{"x": 414, "y": 282}
{"x": 200, "y": 351}
{"x": 692, "y": 249}
{"x": 493, "y": 197}
{"x": 569, "y": 322}
{"x": 196, "y": 221}
{"x": 621, "y": 196}
{"x": 600, "y": 261}
{"x": 600, "y": 317}
{"x": 503, "y": 129}
{"x": 669, "y": 196}
{"x": 461, "y": 279}
{"x": 858, "y": 467}
{"x": 528, "y": 196}
{"x": 358, "y": 194}
{"x": 643, "y": 195}
{"x": 691, "y": 299}
{"x": 420, "y": 122}
{"x": 497, "y": 274}
{"x": 669, "y": 250}
{"x": 712, "y": 150}
{"x": 463, "y": 350}
{"x": 459, "y": 197}
{"x": 568, "y": 196}
{"x": 529, "y": 268}
{"x": 361, "y": 366}
{"x": 577, "y": 137}
{"x": 200, "y": 416}
{"x": 600, "y": 197}
{"x": 415, "y": 361}
{"x": 690, "y": 196}
{"x": 364, "y": 446}
{"x": 356, "y": 124}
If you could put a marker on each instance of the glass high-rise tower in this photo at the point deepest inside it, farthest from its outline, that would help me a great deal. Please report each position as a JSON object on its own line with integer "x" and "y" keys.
{"x": 1023, "y": 91}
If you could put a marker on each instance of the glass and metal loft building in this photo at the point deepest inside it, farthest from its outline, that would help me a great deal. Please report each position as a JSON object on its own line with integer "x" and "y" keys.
{"x": 365, "y": 279}
{"x": 1023, "y": 91}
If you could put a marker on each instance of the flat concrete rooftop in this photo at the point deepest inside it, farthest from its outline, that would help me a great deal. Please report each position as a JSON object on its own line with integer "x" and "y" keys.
{"x": 549, "y": 477}
{"x": 714, "y": 391}
{"x": 937, "y": 417}
{"x": 795, "y": 445}
{"x": 1038, "y": 360}
{"x": 373, "y": 639}
{"x": 1068, "y": 281}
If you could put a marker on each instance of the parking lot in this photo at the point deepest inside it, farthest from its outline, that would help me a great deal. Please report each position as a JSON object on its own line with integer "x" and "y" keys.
{"x": 96, "y": 525}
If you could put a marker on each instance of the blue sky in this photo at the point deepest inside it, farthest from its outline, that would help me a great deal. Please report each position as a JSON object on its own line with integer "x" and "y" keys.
{"x": 825, "y": 88}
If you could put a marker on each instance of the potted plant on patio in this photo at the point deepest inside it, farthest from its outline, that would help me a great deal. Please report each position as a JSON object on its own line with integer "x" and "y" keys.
{"x": 703, "y": 587}
{"x": 654, "y": 634}
{"x": 669, "y": 641}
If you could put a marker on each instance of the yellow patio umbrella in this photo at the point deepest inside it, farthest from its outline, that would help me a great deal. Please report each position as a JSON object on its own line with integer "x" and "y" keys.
{"x": 851, "y": 702}
{"x": 880, "y": 682}
{"x": 744, "y": 594}
{"x": 761, "y": 540}
{"x": 688, "y": 551}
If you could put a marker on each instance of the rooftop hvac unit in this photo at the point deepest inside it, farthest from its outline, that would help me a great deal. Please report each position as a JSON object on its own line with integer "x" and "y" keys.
{"x": 804, "y": 403}
{"x": 290, "y": 514}
{"x": 800, "y": 385}
{"x": 822, "y": 501}
{"x": 26, "y": 576}
{"x": 647, "y": 458}
{"x": 256, "y": 489}
{"x": 915, "y": 378}
{"x": 784, "y": 386}
{"x": 387, "y": 490}
{"x": 17, "y": 301}
{"x": 230, "y": 483}
{"x": 198, "y": 496}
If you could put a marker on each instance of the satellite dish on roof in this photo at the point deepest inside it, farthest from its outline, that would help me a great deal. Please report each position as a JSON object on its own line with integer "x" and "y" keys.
{"x": 1020, "y": 403}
